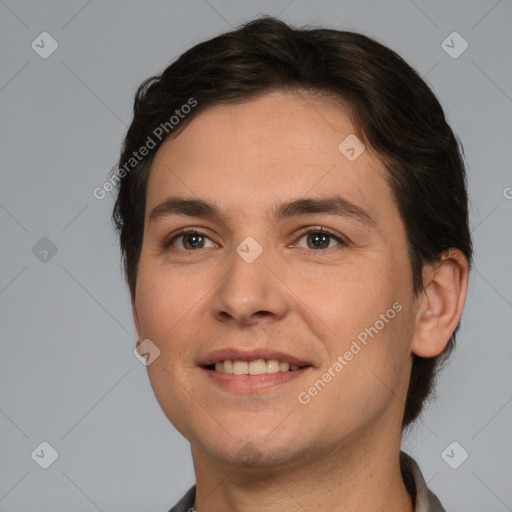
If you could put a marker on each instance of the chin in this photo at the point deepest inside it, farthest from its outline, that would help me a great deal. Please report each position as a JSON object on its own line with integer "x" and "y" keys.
{"x": 256, "y": 449}
{"x": 249, "y": 454}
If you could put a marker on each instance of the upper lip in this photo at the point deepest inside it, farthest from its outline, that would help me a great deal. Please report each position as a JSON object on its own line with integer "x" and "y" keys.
{"x": 250, "y": 355}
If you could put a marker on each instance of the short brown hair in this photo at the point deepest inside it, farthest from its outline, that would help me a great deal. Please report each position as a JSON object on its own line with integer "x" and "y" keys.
{"x": 393, "y": 109}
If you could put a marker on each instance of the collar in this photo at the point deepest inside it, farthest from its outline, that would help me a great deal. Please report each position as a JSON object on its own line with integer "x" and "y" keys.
{"x": 424, "y": 499}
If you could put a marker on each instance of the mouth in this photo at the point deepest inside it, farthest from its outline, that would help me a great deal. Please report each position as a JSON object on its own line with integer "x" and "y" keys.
{"x": 254, "y": 367}
{"x": 252, "y": 372}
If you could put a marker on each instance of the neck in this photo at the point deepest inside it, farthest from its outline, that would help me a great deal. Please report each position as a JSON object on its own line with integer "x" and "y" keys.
{"x": 351, "y": 477}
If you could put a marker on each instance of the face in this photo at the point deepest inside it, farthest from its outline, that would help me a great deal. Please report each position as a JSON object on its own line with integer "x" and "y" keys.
{"x": 294, "y": 253}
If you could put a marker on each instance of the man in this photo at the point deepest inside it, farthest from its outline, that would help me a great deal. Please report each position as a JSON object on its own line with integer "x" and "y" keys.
{"x": 292, "y": 212}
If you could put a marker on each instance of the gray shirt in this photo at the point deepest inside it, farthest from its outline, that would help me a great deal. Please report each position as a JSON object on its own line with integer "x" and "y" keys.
{"x": 425, "y": 500}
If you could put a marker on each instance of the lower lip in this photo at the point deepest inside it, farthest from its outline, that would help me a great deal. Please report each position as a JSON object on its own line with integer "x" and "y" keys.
{"x": 253, "y": 383}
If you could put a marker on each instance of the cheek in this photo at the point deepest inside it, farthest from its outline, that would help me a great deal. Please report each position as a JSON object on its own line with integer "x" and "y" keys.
{"x": 165, "y": 304}
{"x": 366, "y": 309}
{"x": 352, "y": 294}
{"x": 164, "y": 299}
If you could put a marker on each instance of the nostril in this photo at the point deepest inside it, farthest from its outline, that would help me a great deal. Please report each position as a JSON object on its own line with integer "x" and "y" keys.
{"x": 263, "y": 314}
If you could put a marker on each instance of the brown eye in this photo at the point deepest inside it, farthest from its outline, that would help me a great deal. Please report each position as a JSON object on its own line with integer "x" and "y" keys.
{"x": 193, "y": 241}
{"x": 320, "y": 238}
{"x": 190, "y": 241}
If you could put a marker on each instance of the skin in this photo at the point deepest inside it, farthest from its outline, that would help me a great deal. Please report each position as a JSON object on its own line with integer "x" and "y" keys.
{"x": 343, "y": 446}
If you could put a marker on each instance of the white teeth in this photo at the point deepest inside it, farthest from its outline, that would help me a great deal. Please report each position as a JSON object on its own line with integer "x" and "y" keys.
{"x": 240, "y": 367}
{"x": 256, "y": 367}
{"x": 273, "y": 366}
{"x": 284, "y": 367}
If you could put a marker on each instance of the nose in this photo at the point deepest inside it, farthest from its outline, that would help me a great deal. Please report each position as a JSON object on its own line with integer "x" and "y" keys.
{"x": 250, "y": 293}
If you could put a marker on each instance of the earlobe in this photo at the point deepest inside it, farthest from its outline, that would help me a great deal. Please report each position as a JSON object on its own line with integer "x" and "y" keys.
{"x": 440, "y": 303}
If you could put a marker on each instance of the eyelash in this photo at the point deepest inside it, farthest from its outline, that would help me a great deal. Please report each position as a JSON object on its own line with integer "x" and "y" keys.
{"x": 326, "y": 231}
{"x": 167, "y": 244}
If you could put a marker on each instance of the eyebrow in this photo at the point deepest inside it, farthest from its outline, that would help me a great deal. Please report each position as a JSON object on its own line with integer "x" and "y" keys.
{"x": 333, "y": 205}
{"x": 180, "y": 206}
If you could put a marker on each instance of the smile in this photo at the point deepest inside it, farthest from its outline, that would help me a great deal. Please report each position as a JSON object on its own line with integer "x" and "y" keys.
{"x": 249, "y": 377}
{"x": 255, "y": 367}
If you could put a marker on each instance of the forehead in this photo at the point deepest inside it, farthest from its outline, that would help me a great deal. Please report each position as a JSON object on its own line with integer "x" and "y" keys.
{"x": 272, "y": 148}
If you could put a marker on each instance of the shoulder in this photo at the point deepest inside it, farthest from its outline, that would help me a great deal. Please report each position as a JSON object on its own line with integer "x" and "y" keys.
{"x": 425, "y": 499}
{"x": 186, "y": 502}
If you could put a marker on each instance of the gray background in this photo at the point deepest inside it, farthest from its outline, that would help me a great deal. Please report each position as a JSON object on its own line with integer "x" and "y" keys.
{"x": 68, "y": 373}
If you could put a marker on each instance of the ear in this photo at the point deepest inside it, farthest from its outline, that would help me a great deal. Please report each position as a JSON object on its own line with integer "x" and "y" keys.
{"x": 136, "y": 321}
{"x": 440, "y": 303}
